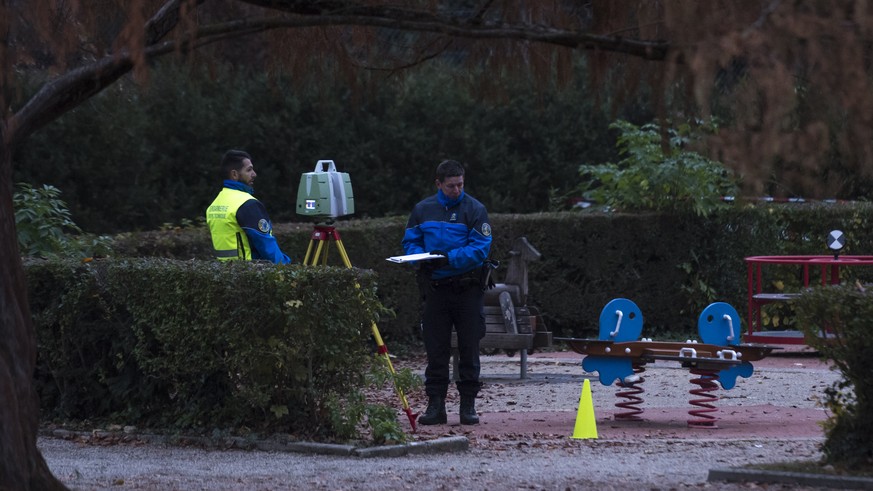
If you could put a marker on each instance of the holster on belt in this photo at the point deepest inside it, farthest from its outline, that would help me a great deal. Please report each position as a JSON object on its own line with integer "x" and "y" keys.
{"x": 486, "y": 279}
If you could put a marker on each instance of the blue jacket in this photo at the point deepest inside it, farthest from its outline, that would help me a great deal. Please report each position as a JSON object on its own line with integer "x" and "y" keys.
{"x": 253, "y": 219}
{"x": 458, "y": 227}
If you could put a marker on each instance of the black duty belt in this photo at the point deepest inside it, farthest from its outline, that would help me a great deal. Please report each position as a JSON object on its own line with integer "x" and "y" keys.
{"x": 465, "y": 279}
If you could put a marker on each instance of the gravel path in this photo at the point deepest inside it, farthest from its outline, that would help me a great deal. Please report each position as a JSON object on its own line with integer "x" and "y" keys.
{"x": 593, "y": 464}
{"x": 510, "y": 450}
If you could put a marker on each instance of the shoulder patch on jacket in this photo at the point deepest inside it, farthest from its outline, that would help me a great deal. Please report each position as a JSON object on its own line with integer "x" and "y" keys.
{"x": 486, "y": 230}
{"x": 264, "y": 225}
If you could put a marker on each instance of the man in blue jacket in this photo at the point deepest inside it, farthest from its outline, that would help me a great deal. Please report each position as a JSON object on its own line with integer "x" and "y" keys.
{"x": 454, "y": 226}
{"x": 239, "y": 224}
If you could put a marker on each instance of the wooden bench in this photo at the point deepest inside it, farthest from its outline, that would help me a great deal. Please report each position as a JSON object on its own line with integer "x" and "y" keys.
{"x": 510, "y": 324}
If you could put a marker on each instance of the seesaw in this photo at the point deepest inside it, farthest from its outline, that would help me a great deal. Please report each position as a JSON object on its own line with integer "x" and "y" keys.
{"x": 619, "y": 356}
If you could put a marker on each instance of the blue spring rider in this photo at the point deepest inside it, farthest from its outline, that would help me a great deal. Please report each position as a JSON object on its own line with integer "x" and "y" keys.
{"x": 621, "y": 322}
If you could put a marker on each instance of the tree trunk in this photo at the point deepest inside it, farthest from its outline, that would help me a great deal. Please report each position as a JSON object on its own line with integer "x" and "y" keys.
{"x": 21, "y": 463}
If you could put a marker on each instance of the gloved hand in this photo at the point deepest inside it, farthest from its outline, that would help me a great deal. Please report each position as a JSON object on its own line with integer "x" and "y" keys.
{"x": 439, "y": 262}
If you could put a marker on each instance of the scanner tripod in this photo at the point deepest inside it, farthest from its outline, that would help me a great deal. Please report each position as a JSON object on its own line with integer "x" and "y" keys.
{"x": 319, "y": 244}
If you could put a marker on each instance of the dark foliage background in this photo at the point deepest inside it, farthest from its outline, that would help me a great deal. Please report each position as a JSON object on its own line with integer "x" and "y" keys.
{"x": 138, "y": 156}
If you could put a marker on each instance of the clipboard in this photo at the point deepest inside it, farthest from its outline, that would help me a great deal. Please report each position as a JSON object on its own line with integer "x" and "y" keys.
{"x": 422, "y": 256}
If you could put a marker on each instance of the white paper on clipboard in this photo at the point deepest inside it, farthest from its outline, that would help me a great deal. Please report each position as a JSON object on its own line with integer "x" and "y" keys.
{"x": 422, "y": 256}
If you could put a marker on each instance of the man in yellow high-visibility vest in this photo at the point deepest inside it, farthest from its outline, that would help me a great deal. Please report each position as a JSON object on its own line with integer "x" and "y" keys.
{"x": 239, "y": 224}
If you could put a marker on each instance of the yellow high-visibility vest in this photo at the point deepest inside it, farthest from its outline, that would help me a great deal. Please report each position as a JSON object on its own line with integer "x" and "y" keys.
{"x": 228, "y": 239}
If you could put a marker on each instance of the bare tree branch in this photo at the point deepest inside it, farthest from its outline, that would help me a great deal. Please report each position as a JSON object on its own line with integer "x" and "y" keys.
{"x": 341, "y": 12}
{"x": 74, "y": 87}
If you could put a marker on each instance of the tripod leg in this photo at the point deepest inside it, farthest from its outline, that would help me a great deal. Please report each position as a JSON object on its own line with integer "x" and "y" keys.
{"x": 383, "y": 351}
{"x": 317, "y": 253}
{"x": 343, "y": 254}
{"x": 324, "y": 252}
{"x": 308, "y": 252}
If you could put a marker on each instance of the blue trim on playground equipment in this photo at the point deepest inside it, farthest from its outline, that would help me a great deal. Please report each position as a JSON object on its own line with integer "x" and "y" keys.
{"x": 713, "y": 328}
{"x": 630, "y": 325}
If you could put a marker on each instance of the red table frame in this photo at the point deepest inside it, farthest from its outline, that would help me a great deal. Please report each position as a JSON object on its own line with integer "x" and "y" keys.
{"x": 830, "y": 275}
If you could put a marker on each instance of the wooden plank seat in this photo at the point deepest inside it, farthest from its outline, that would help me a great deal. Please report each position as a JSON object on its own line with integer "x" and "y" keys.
{"x": 531, "y": 334}
{"x": 511, "y": 325}
{"x": 496, "y": 335}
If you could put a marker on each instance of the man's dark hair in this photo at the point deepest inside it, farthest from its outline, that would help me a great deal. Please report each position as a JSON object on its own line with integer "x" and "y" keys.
{"x": 233, "y": 160}
{"x": 449, "y": 168}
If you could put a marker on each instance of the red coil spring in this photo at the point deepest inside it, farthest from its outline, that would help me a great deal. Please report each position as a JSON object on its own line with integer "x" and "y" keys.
{"x": 706, "y": 382}
{"x": 631, "y": 393}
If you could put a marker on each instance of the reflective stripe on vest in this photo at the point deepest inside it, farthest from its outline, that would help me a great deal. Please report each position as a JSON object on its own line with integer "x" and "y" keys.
{"x": 229, "y": 253}
{"x": 228, "y": 239}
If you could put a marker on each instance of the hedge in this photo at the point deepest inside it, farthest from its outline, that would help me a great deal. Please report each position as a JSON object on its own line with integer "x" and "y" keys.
{"x": 844, "y": 313}
{"x": 200, "y": 344}
{"x": 672, "y": 266}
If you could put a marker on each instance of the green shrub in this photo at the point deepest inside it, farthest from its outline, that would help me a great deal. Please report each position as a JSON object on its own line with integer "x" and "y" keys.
{"x": 85, "y": 365}
{"x": 351, "y": 411}
{"x": 650, "y": 178}
{"x": 46, "y": 228}
{"x": 200, "y": 344}
{"x": 845, "y": 312}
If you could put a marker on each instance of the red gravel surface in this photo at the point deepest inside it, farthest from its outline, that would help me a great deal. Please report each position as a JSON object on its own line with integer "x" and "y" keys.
{"x": 780, "y": 400}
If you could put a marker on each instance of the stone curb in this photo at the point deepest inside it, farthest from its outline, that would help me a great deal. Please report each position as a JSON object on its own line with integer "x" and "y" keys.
{"x": 437, "y": 445}
{"x": 795, "y": 478}
{"x": 308, "y": 447}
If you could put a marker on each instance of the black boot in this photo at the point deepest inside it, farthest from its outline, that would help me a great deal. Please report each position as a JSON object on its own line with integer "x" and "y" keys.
{"x": 468, "y": 411}
{"x": 435, "y": 413}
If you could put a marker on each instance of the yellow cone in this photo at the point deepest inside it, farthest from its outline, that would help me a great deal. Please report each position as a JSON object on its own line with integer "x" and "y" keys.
{"x": 586, "y": 426}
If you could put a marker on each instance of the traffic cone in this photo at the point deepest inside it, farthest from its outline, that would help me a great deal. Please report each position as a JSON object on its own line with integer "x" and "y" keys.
{"x": 586, "y": 426}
